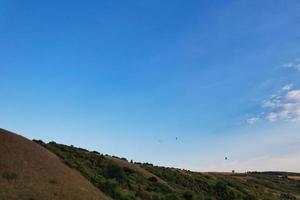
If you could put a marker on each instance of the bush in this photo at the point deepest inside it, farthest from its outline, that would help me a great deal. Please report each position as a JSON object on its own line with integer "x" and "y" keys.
{"x": 40, "y": 142}
{"x": 155, "y": 197}
{"x": 128, "y": 171}
{"x": 250, "y": 197}
{"x": 188, "y": 195}
{"x": 172, "y": 197}
{"x": 143, "y": 195}
{"x": 114, "y": 171}
{"x": 224, "y": 192}
{"x": 286, "y": 196}
{"x": 95, "y": 152}
{"x": 9, "y": 175}
{"x": 53, "y": 181}
{"x": 152, "y": 179}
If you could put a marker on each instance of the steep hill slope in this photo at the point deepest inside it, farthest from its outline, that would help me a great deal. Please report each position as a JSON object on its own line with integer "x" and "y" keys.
{"x": 30, "y": 172}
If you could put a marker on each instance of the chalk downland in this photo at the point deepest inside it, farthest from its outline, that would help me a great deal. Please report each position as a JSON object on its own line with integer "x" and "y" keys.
{"x": 29, "y": 171}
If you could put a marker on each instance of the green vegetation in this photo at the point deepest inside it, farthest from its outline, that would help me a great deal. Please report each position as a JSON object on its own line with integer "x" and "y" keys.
{"x": 120, "y": 183}
{"x": 126, "y": 183}
{"x": 286, "y": 196}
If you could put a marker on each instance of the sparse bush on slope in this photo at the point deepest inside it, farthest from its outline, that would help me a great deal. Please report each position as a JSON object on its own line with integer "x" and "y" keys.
{"x": 287, "y": 196}
{"x": 120, "y": 183}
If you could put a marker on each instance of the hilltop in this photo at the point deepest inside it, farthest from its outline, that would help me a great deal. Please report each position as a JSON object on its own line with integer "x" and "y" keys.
{"x": 28, "y": 171}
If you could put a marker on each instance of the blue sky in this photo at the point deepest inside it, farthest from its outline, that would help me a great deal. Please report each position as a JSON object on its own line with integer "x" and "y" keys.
{"x": 128, "y": 77}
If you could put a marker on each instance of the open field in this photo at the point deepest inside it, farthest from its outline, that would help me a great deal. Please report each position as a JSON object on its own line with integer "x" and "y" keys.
{"x": 294, "y": 177}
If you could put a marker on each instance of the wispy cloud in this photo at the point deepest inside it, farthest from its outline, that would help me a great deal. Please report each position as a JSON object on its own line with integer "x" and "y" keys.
{"x": 283, "y": 107}
{"x": 252, "y": 120}
{"x": 287, "y": 87}
{"x": 293, "y": 65}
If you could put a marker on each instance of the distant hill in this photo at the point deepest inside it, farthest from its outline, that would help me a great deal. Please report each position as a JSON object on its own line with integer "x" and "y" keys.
{"x": 28, "y": 171}
{"x": 279, "y": 173}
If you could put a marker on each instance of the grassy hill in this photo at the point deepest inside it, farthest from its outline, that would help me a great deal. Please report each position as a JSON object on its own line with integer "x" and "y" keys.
{"x": 123, "y": 180}
{"x": 30, "y": 172}
{"x": 37, "y": 170}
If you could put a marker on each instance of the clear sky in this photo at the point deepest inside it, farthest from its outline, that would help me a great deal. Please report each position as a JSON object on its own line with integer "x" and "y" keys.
{"x": 129, "y": 77}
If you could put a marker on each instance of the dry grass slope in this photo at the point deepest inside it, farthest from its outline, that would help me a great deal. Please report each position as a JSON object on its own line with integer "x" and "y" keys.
{"x": 30, "y": 172}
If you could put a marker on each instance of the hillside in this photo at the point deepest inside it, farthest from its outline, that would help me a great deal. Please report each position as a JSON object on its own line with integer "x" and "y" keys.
{"x": 123, "y": 180}
{"x": 37, "y": 170}
{"x": 30, "y": 172}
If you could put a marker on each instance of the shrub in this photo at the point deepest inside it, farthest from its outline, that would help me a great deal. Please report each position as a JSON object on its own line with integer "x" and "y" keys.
{"x": 114, "y": 171}
{"x": 152, "y": 179}
{"x": 40, "y": 142}
{"x": 250, "y": 197}
{"x": 188, "y": 195}
{"x": 155, "y": 197}
{"x": 53, "y": 181}
{"x": 9, "y": 175}
{"x": 224, "y": 192}
{"x": 128, "y": 170}
{"x": 95, "y": 152}
{"x": 143, "y": 195}
{"x": 287, "y": 196}
{"x": 172, "y": 197}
